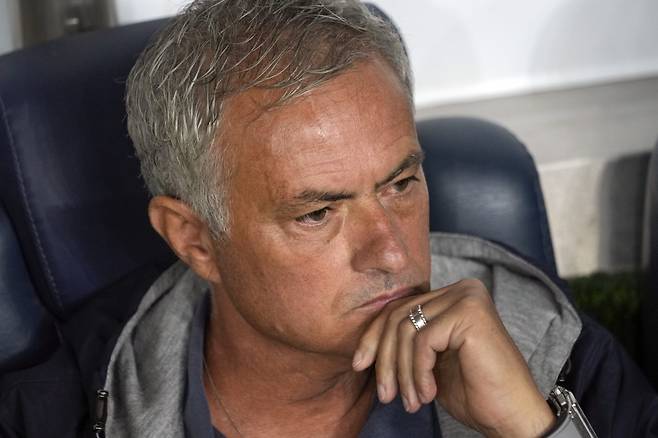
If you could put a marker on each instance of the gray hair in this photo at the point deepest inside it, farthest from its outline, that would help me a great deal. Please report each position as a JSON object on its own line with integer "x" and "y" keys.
{"x": 216, "y": 48}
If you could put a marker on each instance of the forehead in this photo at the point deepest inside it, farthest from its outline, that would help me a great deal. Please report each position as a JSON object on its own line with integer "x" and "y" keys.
{"x": 355, "y": 119}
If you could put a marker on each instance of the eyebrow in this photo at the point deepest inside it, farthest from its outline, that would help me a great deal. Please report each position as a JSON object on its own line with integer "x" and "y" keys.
{"x": 411, "y": 160}
{"x": 313, "y": 196}
{"x": 316, "y": 196}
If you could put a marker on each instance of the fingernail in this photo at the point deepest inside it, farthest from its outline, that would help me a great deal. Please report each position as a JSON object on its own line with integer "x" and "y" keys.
{"x": 381, "y": 392}
{"x": 405, "y": 402}
{"x": 358, "y": 358}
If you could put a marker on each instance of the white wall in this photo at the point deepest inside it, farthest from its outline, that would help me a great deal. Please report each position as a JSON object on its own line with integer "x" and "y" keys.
{"x": 476, "y": 48}
{"x": 469, "y": 49}
{"x": 472, "y": 49}
{"x": 9, "y": 26}
{"x": 132, "y": 11}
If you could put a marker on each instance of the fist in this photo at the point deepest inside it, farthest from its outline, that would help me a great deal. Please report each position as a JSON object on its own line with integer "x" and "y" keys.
{"x": 463, "y": 357}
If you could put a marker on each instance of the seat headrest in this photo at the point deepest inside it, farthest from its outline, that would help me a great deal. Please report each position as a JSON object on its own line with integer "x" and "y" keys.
{"x": 68, "y": 176}
{"x": 482, "y": 181}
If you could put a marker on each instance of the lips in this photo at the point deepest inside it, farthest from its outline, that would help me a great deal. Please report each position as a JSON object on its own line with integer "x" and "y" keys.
{"x": 382, "y": 300}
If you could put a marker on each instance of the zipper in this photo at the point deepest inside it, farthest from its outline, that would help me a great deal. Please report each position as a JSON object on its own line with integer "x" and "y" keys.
{"x": 101, "y": 413}
{"x": 562, "y": 378}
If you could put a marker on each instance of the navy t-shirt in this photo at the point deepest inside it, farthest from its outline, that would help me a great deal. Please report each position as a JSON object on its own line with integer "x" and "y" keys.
{"x": 385, "y": 420}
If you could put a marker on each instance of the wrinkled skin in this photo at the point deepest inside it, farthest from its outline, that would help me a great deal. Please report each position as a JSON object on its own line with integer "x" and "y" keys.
{"x": 326, "y": 253}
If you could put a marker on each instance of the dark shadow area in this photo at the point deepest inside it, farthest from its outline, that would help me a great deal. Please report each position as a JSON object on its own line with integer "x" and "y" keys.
{"x": 649, "y": 308}
{"x": 622, "y": 194}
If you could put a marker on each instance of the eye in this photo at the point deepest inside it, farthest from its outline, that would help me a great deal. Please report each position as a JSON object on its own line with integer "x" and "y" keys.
{"x": 313, "y": 218}
{"x": 403, "y": 184}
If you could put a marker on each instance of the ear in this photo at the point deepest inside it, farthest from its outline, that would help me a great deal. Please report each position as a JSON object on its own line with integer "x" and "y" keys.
{"x": 187, "y": 235}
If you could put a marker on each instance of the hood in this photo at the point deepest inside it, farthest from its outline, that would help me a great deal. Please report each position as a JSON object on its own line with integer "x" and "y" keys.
{"x": 89, "y": 335}
{"x": 535, "y": 311}
{"x": 146, "y": 374}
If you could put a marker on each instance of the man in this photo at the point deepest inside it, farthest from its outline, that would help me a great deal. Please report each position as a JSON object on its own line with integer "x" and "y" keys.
{"x": 278, "y": 140}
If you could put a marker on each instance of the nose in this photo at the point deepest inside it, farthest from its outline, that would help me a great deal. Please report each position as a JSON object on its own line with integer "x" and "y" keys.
{"x": 378, "y": 241}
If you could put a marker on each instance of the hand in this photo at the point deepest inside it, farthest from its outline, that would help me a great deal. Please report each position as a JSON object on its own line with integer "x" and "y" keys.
{"x": 463, "y": 357}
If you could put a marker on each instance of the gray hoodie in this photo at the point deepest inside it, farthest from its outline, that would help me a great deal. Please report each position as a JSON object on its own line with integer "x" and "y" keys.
{"x": 147, "y": 371}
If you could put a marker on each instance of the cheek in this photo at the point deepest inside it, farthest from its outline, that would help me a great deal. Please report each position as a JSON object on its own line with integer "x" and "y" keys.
{"x": 414, "y": 226}
{"x": 289, "y": 296}
{"x": 299, "y": 292}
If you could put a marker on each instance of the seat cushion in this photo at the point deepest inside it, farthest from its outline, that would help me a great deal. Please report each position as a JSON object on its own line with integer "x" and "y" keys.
{"x": 68, "y": 175}
{"x": 27, "y": 333}
{"x": 482, "y": 181}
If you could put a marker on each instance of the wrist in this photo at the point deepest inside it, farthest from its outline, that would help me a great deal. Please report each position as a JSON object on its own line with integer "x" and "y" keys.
{"x": 571, "y": 421}
{"x": 534, "y": 422}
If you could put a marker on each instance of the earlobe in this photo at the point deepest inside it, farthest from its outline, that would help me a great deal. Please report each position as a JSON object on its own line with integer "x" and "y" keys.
{"x": 186, "y": 234}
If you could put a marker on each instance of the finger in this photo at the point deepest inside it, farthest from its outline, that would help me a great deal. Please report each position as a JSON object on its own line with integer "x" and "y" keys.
{"x": 366, "y": 350}
{"x": 379, "y": 343}
{"x": 386, "y": 361}
{"x": 426, "y": 348}
{"x": 405, "y": 353}
{"x": 424, "y": 380}
{"x": 435, "y": 339}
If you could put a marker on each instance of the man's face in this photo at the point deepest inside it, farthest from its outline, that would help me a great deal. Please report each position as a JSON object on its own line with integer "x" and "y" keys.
{"x": 329, "y": 210}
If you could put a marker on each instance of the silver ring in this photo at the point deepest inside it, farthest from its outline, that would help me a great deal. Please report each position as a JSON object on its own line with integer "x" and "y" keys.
{"x": 417, "y": 318}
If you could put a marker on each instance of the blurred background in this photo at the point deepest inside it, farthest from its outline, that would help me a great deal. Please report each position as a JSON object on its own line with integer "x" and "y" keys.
{"x": 575, "y": 80}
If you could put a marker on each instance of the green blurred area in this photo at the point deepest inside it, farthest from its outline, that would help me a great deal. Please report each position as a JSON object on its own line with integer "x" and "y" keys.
{"x": 613, "y": 300}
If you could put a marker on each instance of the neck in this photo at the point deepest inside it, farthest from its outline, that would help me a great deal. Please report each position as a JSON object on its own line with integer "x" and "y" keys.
{"x": 267, "y": 388}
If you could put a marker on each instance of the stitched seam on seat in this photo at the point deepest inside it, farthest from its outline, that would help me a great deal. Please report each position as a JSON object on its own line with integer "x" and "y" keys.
{"x": 543, "y": 225}
{"x": 19, "y": 174}
{"x": 547, "y": 245}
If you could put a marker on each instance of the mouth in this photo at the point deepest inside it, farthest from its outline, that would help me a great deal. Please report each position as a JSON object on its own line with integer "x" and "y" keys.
{"x": 380, "y": 301}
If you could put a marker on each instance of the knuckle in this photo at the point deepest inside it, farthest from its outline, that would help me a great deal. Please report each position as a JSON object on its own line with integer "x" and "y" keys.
{"x": 382, "y": 370}
{"x": 399, "y": 313}
{"x": 473, "y": 304}
{"x": 405, "y": 329}
{"x": 421, "y": 341}
{"x": 392, "y": 324}
{"x": 472, "y": 300}
{"x": 474, "y": 284}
